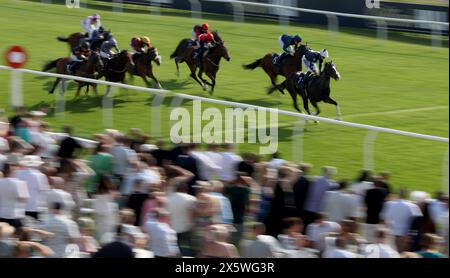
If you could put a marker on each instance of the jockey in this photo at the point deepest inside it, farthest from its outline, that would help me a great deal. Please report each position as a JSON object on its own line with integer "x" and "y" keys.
{"x": 288, "y": 44}
{"x": 310, "y": 59}
{"x": 79, "y": 54}
{"x": 205, "y": 43}
{"x": 91, "y": 24}
{"x": 199, "y": 30}
{"x": 106, "y": 48}
{"x": 139, "y": 45}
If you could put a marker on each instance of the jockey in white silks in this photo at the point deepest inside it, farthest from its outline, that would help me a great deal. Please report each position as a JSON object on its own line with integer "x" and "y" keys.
{"x": 91, "y": 24}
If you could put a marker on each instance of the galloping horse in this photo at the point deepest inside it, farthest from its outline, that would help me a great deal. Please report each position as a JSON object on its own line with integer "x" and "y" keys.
{"x": 316, "y": 90}
{"x": 116, "y": 68}
{"x": 210, "y": 62}
{"x": 76, "y": 38}
{"x": 290, "y": 64}
{"x": 143, "y": 66}
{"x": 86, "y": 69}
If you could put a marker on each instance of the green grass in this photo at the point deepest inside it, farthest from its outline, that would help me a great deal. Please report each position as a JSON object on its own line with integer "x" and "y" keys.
{"x": 401, "y": 83}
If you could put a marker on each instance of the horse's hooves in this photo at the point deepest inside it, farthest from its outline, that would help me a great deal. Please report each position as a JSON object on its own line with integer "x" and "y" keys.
{"x": 205, "y": 87}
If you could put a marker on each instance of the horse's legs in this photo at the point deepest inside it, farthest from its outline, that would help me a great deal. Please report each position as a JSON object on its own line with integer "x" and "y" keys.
{"x": 212, "y": 76}
{"x": 78, "y": 90}
{"x": 293, "y": 94}
{"x": 94, "y": 86}
{"x": 305, "y": 101}
{"x": 338, "y": 110}
{"x": 193, "y": 69}
{"x": 152, "y": 76}
{"x": 146, "y": 81}
{"x": 54, "y": 85}
{"x": 178, "y": 67}
{"x": 314, "y": 103}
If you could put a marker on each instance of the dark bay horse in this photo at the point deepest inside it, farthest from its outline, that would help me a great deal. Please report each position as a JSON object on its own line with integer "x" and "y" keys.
{"x": 317, "y": 89}
{"x": 210, "y": 62}
{"x": 143, "y": 66}
{"x": 76, "y": 38}
{"x": 116, "y": 68}
{"x": 87, "y": 69}
{"x": 290, "y": 64}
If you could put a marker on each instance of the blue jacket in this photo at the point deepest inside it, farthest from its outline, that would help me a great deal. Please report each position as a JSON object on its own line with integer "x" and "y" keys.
{"x": 287, "y": 40}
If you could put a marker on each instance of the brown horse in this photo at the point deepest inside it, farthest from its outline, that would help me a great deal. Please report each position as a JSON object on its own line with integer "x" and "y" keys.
{"x": 75, "y": 39}
{"x": 210, "y": 61}
{"x": 317, "y": 89}
{"x": 116, "y": 68}
{"x": 290, "y": 64}
{"x": 87, "y": 69}
{"x": 143, "y": 66}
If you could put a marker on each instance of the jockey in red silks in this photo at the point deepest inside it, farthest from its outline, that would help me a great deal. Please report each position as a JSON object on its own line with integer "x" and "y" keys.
{"x": 205, "y": 42}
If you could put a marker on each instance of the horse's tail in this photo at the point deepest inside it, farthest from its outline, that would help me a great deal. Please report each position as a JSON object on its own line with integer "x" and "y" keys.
{"x": 279, "y": 87}
{"x": 179, "y": 48}
{"x": 253, "y": 65}
{"x": 50, "y": 65}
{"x": 62, "y": 39}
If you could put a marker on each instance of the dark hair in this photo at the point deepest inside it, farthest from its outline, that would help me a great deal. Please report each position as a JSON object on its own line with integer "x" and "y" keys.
{"x": 6, "y": 169}
{"x": 58, "y": 206}
{"x": 343, "y": 184}
{"x": 105, "y": 184}
{"x": 365, "y": 175}
{"x": 291, "y": 221}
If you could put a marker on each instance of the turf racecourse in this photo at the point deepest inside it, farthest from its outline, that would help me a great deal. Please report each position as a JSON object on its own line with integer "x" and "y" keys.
{"x": 401, "y": 83}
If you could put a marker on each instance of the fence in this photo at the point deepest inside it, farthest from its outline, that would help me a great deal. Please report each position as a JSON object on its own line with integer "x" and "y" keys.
{"x": 178, "y": 98}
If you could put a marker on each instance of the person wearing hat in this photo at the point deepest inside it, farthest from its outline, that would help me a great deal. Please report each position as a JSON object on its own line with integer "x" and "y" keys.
{"x": 13, "y": 198}
{"x": 36, "y": 120}
{"x": 91, "y": 24}
{"x": 36, "y": 181}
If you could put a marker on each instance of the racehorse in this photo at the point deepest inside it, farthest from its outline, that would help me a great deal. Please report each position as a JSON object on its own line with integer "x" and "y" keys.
{"x": 210, "y": 61}
{"x": 290, "y": 64}
{"x": 86, "y": 69}
{"x": 317, "y": 88}
{"x": 75, "y": 39}
{"x": 115, "y": 69}
{"x": 143, "y": 66}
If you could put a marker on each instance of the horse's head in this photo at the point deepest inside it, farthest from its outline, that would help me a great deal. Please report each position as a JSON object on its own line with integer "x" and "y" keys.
{"x": 153, "y": 55}
{"x": 330, "y": 70}
{"x": 220, "y": 47}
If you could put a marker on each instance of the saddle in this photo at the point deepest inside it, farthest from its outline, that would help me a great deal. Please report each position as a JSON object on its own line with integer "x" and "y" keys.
{"x": 303, "y": 79}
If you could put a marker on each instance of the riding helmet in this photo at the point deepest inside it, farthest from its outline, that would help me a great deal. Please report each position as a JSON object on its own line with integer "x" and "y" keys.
{"x": 205, "y": 26}
{"x": 145, "y": 40}
{"x": 324, "y": 53}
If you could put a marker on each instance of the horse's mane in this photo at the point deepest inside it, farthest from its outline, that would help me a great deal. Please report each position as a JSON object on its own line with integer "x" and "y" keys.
{"x": 217, "y": 38}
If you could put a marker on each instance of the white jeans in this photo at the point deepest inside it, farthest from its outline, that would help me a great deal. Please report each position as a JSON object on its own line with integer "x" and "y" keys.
{"x": 309, "y": 65}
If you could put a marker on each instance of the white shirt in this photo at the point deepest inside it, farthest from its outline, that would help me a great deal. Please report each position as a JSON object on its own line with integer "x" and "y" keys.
{"x": 339, "y": 254}
{"x": 11, "y": 190}
{"x": 399, "y": 214}
{"x": 64, "y": 232}
{"x": 147, "y": 176}
{"x": 317, "y": 232}
{"x": 229, "y": 165}
{"x": 361, "y": 188}
{"x": 207, "y": 168}
{"x": 45, "y": 142}
{"x": 163, "y": 239}
{"x": 36, "y": 183}
{"x": 180, "y": 206}
{"x": 88, "y": 27}
{"x": 121, "y": 158}
{"x": 380, "y": 250}
{"x": 216, "y": 158}
{"x": 55, "y": 195}
{"x": 341, "y": 205}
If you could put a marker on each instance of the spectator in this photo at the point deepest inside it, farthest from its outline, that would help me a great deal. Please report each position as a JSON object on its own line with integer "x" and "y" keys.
{"x": 301, "y": 188}
{"x": 65, "y": 231}
{"x": 123, "y": 155}
{"x": 163, "y": 239}
{"x": 160, "y": 153}
{"x": 374, "y": 200}
{"x": 137, "y": 199}
{"x": 181, "y": 206}
{"x": 247, "y": 164}
{"x": 37, "y": 182}
{"x": 340, "y": 251}
{"x": 318, "y": 230}
{"x": 7, "y": 243}
{"x": 57, "y": 194}
{"x": 316, "y": 193}
{"x": 106, "y": 210}
{"x": 188, "y": 162}
{"x": 398, "y": 215}
{"x": 19, "y": 117}
{"x": 340, "y": 204}
{"x": 363, "y": 183}
{"x": 229, "y": 164}
{"x": 225, "y": 213}
{"x": 45, "y": 145}
{"x": 239, "y": 194}
{"x": 68, "y": 145}
{"x": 384, "y": 179}
{"x": 380, "y": 249}
{"x": 119, "y": 248}
{"x": 13, "y": 198}
{"x": 87, "y": 243}
{"x": 101, "y": 163}
{"x": 216, "y": 245}
{"x": 429, "y": 247}
{"x": 258, "y": 246}
{"x": 420, "y": 225}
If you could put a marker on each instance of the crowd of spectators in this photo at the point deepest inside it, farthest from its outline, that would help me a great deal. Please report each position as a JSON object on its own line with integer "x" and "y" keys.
{"x": 121, "y": 196}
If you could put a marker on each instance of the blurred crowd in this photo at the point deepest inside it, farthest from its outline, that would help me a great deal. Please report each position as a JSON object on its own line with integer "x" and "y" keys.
{"x": 126, "y": 195}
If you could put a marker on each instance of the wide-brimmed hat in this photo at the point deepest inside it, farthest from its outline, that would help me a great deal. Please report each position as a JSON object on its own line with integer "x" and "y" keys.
{"x": 31, "y": 161}
{"x": 6, "y": 230}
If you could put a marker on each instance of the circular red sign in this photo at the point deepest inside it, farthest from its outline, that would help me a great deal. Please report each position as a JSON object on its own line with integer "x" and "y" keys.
{"x": 16, "y": 56}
